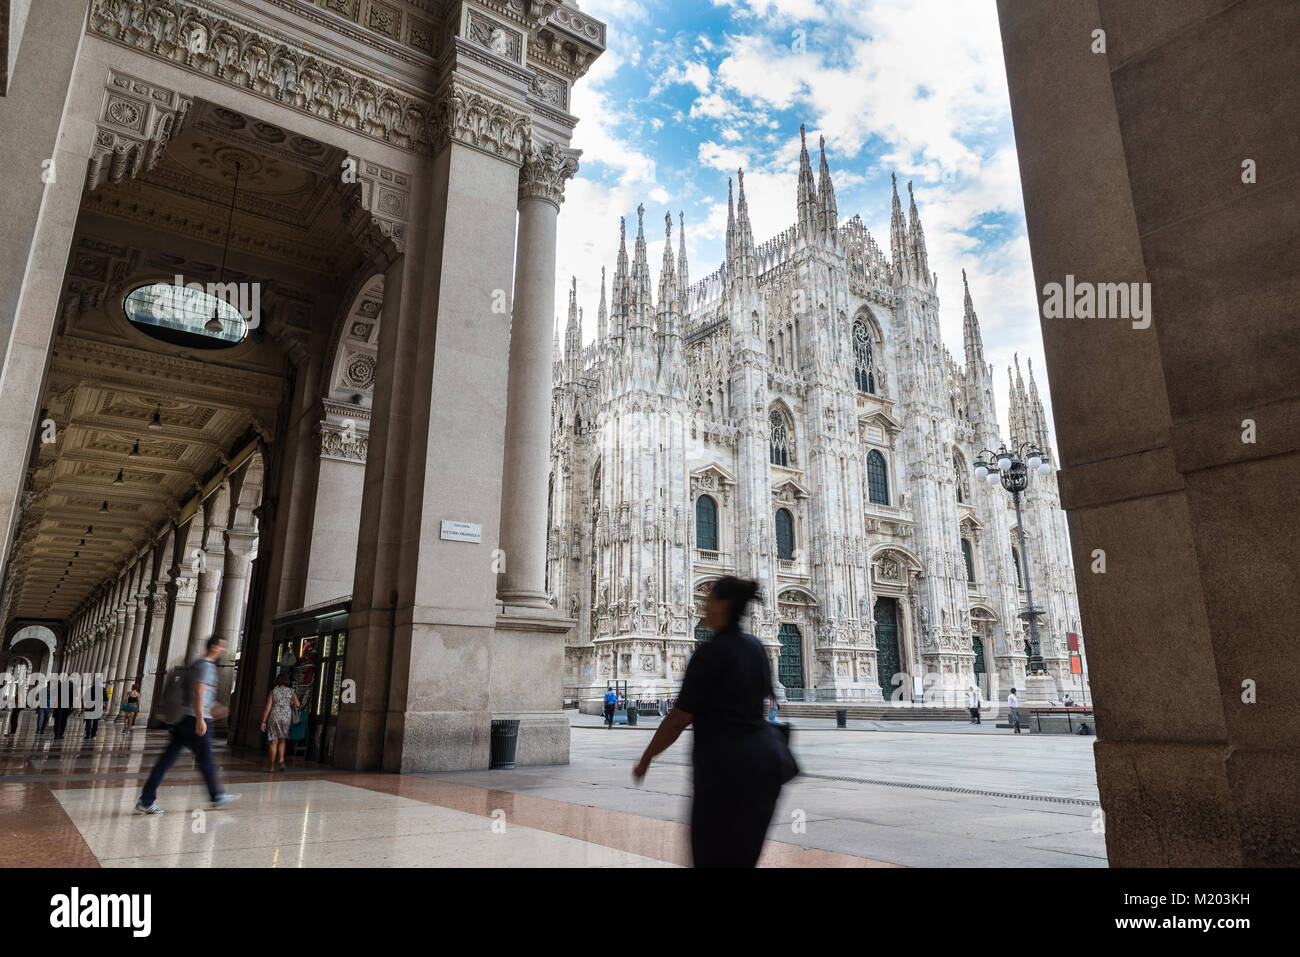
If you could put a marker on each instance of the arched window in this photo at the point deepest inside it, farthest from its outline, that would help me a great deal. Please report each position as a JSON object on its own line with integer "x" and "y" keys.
{"x": 1015, "y": 559}
{"x": 969, "y": 558}
{"x": 782, "y": 446}
{"x": 877, "y": 479}
{"x": 784, "y": 534}
{"x": 706, "y": 523}
{"x": 863, "y": 373}
{"x": 959, "y": 474}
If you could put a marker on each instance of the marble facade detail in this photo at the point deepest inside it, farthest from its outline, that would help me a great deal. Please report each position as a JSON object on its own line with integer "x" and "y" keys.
{"x": 806, "y": 376}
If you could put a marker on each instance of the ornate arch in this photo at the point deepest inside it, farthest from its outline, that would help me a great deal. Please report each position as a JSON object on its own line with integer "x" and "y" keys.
{"x": 781, "y": 437}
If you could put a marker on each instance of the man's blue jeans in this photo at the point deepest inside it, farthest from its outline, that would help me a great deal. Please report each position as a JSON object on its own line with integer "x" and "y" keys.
{"x": 184, "y": 736}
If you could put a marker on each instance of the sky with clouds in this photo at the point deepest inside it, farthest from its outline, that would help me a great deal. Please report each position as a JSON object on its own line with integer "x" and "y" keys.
{"x": 689, "y": 90}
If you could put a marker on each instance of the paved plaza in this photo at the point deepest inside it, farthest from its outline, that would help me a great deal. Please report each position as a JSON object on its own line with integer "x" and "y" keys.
{"x": 917, "y": 794}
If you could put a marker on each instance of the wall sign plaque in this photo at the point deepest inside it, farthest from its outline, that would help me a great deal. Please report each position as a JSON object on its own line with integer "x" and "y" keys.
{"x": 462, "y": 532}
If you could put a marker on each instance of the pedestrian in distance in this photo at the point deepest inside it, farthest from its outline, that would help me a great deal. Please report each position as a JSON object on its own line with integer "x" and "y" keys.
{"x": 278, "y": 716}
{"x": 975, "y": 706}
{"x": 1013, "y": 703}
{"x": 611, "y": 705}
{"x": 740, "y": 760}
{"x": 130, "y": 708}
{"x": 44, "y": 707}
{"x": 62, "y": 698}
{"x": 189, "y": 707}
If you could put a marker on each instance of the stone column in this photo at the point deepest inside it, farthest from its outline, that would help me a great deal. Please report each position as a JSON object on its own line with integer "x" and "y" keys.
{"x": 186, "y": 587}
{"x": 112, "y": 648}
{"x": 1178, "y": 417}
{"x": 118, "y": 662}
{"x": 100, "y": 651}
{"x": 131, "y": 667}
{"x": 44, "y": 170}
{"x": 203, "y": 619}
{"x": 157, "y": 623}
{"x": 526, "y": 465}
{"x": 230, "y": 607}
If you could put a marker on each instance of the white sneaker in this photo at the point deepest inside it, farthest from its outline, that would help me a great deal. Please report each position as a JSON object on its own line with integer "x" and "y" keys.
{"x": 142, "y": 808}
{"x": 224, "y": 799}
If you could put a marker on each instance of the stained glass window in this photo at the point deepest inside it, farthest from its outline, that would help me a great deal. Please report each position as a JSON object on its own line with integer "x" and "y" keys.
{"x": 782, "y": 448}
{"x": 863, "y": 373}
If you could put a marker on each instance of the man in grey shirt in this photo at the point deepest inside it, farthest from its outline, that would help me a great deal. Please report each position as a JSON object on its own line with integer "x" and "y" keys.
{"x": 192, "y": 731}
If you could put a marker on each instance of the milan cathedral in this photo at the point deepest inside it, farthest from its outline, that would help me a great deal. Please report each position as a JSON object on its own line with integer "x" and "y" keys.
{"x": 795, "y": 418}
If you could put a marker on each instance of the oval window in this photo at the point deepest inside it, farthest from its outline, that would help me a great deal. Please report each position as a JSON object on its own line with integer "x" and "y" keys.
{"x": 187, "y": 315}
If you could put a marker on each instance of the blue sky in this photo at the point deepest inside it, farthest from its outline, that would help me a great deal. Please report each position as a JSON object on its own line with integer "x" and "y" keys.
{"x": 689, "y": 90}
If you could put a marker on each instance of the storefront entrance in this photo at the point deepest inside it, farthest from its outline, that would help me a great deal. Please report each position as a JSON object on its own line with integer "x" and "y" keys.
{"x": 312, "y": 646}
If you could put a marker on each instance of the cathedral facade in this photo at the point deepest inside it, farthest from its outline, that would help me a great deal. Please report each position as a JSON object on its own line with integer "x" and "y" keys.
{"x": 795, "y": 418}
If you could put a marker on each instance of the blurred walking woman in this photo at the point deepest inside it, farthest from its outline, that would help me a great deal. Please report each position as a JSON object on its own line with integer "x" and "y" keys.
{"x": 740, "y": 760}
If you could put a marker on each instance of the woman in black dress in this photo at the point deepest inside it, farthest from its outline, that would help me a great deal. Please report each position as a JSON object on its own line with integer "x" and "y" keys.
{"x": 739, "y": 759}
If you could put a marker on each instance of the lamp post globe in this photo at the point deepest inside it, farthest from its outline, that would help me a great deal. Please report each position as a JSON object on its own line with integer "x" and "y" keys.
{"x": 1013, "y": 469}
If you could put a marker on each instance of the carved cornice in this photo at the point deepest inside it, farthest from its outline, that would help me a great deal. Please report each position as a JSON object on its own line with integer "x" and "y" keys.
{"x": 285, "y": 70}
{"x": 346, "y": 410}
{"x": 546, "y": 167}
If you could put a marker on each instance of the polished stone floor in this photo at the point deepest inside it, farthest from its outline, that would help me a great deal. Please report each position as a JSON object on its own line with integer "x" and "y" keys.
{"x": 915, "y": 794}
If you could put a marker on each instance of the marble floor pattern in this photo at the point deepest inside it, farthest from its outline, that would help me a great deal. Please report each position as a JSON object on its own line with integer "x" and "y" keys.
{"x": 867, "y": 799}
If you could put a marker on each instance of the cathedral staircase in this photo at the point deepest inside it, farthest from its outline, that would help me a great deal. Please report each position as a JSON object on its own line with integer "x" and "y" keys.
{"x": 879, "y": 711}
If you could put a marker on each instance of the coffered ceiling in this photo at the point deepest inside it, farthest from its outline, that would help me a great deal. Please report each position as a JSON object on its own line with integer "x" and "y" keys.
{"x": 296, "y": 231}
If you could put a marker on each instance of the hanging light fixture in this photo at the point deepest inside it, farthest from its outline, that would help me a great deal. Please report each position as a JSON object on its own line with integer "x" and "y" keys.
{"x": 214, "y": 325}
{"x": 135, "y": 450}
{"x": 118, "y": 480}
{"x": 156, "y": 424}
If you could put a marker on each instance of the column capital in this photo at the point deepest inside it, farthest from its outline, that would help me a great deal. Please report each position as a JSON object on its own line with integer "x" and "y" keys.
{"x": 239, "y": 541}
{"x": 469, "y": 115}
{"x": 546, "y": 167}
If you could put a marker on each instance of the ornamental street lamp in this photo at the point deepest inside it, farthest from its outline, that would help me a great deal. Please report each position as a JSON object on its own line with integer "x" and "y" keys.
{"x": 1011, "y": 467}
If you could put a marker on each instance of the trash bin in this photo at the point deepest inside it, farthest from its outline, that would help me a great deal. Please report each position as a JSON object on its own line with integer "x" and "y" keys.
{"x": 505, "y": 738}
{"x": 841, "y": 718}
{"x": 631, "y": 713}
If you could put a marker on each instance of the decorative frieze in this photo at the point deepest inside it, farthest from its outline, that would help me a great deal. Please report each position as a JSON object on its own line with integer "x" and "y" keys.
{"x": 491, "y": 35}
{"x": 469, "y": 116}
{"x": 343, "y": 443}
{"x": 296, "y": 75}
